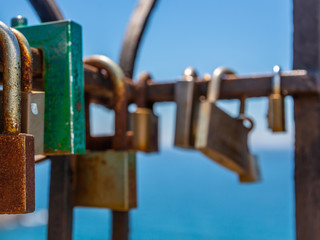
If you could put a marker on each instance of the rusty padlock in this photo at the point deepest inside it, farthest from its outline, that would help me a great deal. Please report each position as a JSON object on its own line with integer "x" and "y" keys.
{"x": 32, "y": 102}
{"x": 276, "y": 110}
{"x": 16, "y": 149}
{"x": 186, "y": 98}
{"x": 107, "y": 179}
{"x": 143, "y": 122}
{"x": 221, "y": 137}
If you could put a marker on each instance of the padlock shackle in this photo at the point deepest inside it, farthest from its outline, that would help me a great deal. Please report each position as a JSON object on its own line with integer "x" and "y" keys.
{"x": 141, "y": 90}
{"x": 276, "y": 80}
{"x": 190, "y": 74}
{"x": 26, "y": 61}
{"x": 11, "y": 80}
{"x": 120, "y": 94}
{"x": 214, "y": 85}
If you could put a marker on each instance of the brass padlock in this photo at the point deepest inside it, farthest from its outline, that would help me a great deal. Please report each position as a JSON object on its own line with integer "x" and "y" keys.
{"x": 276, "y": 110}
{"x": 16, "y": 149}
{"x": 221, "y": 137}
{"x": 187, "y": 102}
{"x": 143, "y": 122}
{"x": 32, "y": 102}
{"x": 108, "y": 179}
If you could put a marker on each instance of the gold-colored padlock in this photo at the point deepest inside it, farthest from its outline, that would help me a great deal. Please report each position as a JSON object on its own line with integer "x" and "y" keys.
{"x": 276, "y": 110}
{"x": 186, "y": 98}
{"x": 221, "y": 137}
{"x": 107, "y": 179}
{"x": 143, "y": 122}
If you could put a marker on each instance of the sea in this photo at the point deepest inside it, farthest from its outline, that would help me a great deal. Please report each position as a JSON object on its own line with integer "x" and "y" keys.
{"x": 183, "y": 195}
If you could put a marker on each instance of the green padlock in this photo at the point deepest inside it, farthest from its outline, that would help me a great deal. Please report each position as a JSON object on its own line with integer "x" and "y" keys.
{"x": 61, "y": 45}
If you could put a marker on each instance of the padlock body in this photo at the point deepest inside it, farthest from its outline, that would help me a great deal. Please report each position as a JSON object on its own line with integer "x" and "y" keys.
{"x": 61, "y": 45}
{"x": 144, "y": 124}
{"x": 32, "y": 117}
{"x": 276, "y": 113}
{"x": 17, "y": 192}
{"x": 186, "y": 114}
{"x": 222, "y": 138}
{"x": 253, "y": 173}
{"x": 106, "y": 180}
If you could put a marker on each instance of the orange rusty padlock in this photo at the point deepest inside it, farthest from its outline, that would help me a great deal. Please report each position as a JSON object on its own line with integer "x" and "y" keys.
{"x": 16, "y": 149}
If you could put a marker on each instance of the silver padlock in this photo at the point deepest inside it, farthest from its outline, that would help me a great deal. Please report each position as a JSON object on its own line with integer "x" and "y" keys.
{"x": 187, "y": 102}
{"x": 221, "y": 137}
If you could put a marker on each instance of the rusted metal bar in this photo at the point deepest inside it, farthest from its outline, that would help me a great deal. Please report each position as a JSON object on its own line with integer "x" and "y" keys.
{"x": 47, "y": 10}
{"x": 135, "y": 30}
{"x": 307, "y": 125}
{"x": 61, "y": 198}
{"x": 297, "y": 82}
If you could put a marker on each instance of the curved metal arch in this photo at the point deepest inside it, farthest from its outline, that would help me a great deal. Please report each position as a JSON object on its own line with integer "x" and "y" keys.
{"x": 133, "y": 36}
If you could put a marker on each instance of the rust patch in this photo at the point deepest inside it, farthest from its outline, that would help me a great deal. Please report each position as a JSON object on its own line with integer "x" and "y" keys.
{"x": 26, "y": 61}
{"x": 16, "y": 174}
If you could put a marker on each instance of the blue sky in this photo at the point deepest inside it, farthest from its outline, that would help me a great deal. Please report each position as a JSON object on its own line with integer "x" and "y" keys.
{"x": 248, "y": 36}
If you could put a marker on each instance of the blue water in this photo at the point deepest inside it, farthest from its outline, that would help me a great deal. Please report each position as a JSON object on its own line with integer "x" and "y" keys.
{"x": 183, "y": 195}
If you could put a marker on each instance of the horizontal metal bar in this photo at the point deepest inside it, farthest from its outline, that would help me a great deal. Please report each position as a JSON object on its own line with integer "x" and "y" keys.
{"x": 98, "y": 86}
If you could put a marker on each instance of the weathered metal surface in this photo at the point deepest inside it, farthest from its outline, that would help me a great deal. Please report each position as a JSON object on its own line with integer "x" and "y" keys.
{"x": 16, "y": 150}
{"x": 26, "y": 61}
{"x": 64, "y": 88}
{"x": 219, "y": 136}
{"x": 120, "y": 93}
{"x": 32, "y": 103}
{"x": 47, "y": 10}
{"x": 276, "y": 110}
{"x": 17, "y": 174}
{"x": 11, "y": 80}
{"x": 61, "y": 198}
{"x": 296, "y": 82}
{"x": 106, "y": 180}
{"x": 306, "y": 55}
{"x": 187, "y": 100}
{"x": 134, "y": 34}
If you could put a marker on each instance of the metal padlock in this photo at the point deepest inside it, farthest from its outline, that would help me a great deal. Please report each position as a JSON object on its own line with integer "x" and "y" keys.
{"x": 186, "y": 98}
{"x": 32, "y": 102}
{"x": 253, "y": 172}
{"x": 108, "y": 179}
{"x": 276, "y": 110}
{"x": 16, "y": 149}
{"x": 221, "y": 137}
{"x": 143, "y": 122}
{"x": 61, "y": 45}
